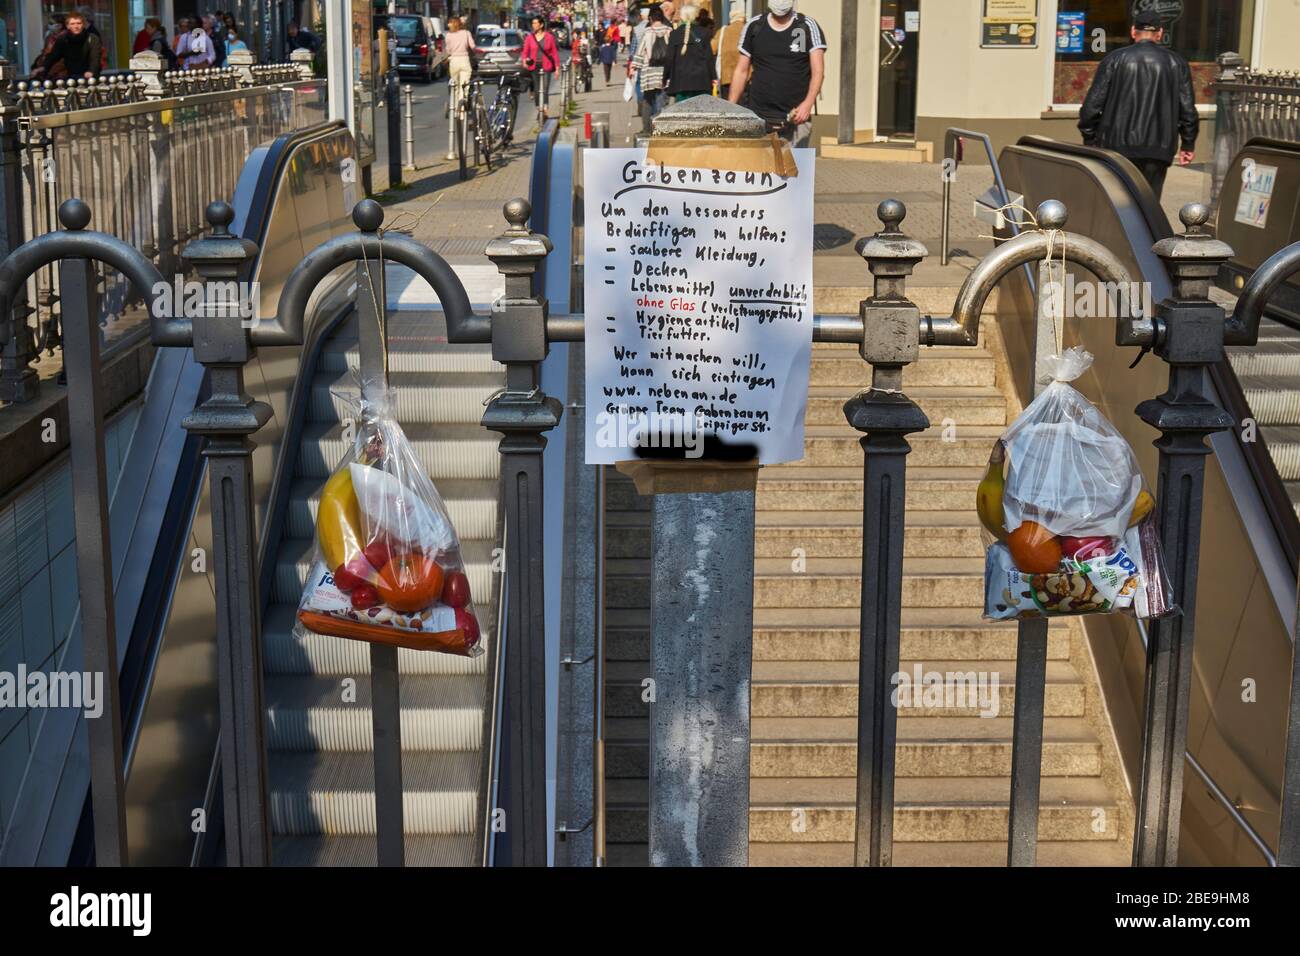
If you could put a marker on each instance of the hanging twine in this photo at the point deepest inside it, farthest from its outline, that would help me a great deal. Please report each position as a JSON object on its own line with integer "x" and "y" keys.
{"x": 1053, "y": 236}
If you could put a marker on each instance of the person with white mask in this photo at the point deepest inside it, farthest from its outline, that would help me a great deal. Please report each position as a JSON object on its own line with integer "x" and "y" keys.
{"x": 783, "y": 62}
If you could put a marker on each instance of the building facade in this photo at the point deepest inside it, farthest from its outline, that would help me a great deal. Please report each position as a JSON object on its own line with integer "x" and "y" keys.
{"x": 1017, "y": 67}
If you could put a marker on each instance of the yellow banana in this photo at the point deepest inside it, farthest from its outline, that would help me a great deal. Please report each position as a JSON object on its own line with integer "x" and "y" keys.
{"x": 988, "y": 496}
{"x": 338, "y": 523}
{"x": 1144, "y": 505}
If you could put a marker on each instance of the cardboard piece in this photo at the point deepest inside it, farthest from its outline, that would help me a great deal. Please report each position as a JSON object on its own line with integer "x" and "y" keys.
{"x": 765, "y": 154}
{"x": 679, "y": 476}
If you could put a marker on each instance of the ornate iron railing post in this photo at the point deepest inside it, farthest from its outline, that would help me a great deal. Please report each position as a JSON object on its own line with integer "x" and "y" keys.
{"x": 1192, "y": 339}
{"x": 885, "y": 416}
{"x": 18, "y": 348}
{"x": 522, "y": 413}
{"x": 223, "y": 344}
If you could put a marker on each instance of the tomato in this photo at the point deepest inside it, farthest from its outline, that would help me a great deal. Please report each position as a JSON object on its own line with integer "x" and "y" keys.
{"x": 377, "y": 553}
{"x": 410, "y": 582}
{"x": 468, "y": 623}
{"x": 1034, "y": 549}
{"x": 1080, "y": 549}
{"x": 455, "y": 591}
{"x": 364, "y": 596}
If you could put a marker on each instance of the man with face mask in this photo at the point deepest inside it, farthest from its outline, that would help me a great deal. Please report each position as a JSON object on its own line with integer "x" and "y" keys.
{"x": 783, "y": 61}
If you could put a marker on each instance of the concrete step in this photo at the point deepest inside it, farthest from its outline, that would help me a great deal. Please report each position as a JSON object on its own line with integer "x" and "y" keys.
{"x": 955, "y": 747}
{"x": 334, "y": 793}
{"x": 826, "y": 582}
{"x": 926, "y": 809}
{"x": 930, "y": 809}
{"x": 445, "y": 451}
{"x": 284, "y": 652}
{"x": 968, "y": 406}
{"x": 951, "y": 367}
{"x": 800, "y": 487}
{"x": 961, "y": 689}
{"x": 471, "y": 503}
{"x": 796, "y": 534}
{"x": 920, "y": 151}
{"x": 328, "y": 713}
{"x": 966, "y": 446}
{"x": 297, "y": 555}
{"x": 991, "y": 853}
{"x": 424, "y": 396}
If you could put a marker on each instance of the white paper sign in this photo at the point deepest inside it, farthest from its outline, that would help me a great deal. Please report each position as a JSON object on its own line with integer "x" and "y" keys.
{"x": 1256, "y": 194}
{"x": 699, "y": 309}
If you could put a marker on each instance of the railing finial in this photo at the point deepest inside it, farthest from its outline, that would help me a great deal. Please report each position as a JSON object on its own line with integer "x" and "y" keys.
{"x": 220, "y": 214}
{"x": 74, "y": 214}
{"x": 1193, "y": 216}
{"x": 517, "y": 211}
{"x": 368, "y": 215}
{"x": 891, "y": 212}
{"x": 1051, "y": 214}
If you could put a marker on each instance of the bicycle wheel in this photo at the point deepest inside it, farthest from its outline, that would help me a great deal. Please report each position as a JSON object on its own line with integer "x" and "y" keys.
{"x": 484, "y": 131}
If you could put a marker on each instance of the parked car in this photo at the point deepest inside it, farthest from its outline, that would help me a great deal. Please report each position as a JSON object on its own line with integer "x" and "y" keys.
{"x": 417, "y": 50}
{"x": 561, "y": 31}
{"x": 498, "y": 48}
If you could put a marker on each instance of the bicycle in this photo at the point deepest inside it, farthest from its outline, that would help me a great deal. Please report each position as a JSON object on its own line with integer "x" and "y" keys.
{"x": 503, "y": 111}
{"x": 472, "y": 127}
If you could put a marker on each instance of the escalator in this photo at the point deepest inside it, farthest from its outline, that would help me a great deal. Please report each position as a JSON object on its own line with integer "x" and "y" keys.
{"x": 292, "y": 195}
{"x": 1247, "y": 587}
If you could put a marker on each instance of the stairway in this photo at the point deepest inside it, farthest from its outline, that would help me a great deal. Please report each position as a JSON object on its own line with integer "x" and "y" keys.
{"x": 952, "y": 786}
{"x": 321, "y": 766}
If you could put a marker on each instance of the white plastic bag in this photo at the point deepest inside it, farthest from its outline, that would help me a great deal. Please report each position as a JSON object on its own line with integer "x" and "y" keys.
{"x": 1064, "y": 499}
{"x": 629, "y": 89}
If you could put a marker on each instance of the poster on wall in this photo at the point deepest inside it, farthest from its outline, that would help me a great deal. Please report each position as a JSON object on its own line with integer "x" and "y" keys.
{"x": 699, "y": 310}
{"x": 1256, "y": 194}
{"x": 1069, "y": 32}
{"x": 1010, "y": 23}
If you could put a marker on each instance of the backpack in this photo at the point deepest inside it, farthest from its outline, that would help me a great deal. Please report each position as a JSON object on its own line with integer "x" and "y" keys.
{"x": 659, "y": 50}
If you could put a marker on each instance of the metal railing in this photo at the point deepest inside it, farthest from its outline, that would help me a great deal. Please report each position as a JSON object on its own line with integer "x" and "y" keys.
{"x": 144, "y": 151}
{"x": 1250, "y": 103}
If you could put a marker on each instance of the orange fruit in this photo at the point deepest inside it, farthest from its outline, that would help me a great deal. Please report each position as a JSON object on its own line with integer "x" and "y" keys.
{"x": 1034, "y": 549}
{"x": 410, "y": 582}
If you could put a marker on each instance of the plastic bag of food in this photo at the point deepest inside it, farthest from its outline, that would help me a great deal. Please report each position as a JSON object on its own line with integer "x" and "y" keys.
{"x": 1067, "y": 514}
{"x": 388, "y": 567}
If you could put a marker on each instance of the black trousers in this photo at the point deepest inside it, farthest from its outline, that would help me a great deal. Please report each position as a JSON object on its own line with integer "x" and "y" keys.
{"x": 1153, "y": 171}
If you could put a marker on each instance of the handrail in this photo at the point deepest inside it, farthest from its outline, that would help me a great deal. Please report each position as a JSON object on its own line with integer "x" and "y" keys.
{"x": 951, "y": 151}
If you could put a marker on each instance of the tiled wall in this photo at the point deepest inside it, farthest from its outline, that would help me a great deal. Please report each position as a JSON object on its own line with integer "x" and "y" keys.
{"x": 38, "y": 589}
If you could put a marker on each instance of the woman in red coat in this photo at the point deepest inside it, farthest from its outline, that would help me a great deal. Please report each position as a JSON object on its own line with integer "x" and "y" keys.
{"x": 541, "y": 58}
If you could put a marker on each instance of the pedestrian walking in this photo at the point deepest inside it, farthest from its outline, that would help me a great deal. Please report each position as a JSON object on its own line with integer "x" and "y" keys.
{"x": 145, "y": 36}
{"x": 40, "y": 66}
{"x": 299, "y": 39}
{"x": 77, "y": 49}
{"x": 689, "y": 70}
{"x": 726, "y": 47}
{"x": 651, "y": 56}
{"x": 541, "y": 58}
{"x": 458, "y": 44}
{"x": 1141, "y": 104}
{"x": 608, "y": 49}
{"x": 782, "y": 61}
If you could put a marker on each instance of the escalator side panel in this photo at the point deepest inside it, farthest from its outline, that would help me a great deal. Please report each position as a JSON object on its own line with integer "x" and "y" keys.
{"x": 1244, "y": 590}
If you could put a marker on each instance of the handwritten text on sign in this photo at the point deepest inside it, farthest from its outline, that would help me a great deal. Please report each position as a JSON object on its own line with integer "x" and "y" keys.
{"x": 698, "y": 309}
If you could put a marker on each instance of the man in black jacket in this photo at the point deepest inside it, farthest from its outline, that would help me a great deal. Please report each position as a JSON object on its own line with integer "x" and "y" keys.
{"x": 1141, "y": 104}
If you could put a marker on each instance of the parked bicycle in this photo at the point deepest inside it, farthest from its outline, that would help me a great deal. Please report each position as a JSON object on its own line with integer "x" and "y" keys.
{"x": 504, "y": 110}
{"x": 472, "y": 128}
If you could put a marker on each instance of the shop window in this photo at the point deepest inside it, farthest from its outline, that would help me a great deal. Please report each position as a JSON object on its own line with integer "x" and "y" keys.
{"x": 1198, "y": 29}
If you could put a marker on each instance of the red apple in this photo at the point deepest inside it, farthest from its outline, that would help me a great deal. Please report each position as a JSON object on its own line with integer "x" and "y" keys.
{"x": 1081, "y": 549}
{"x": 364, "y": 596}
{"x": 468, "y": 623}
{"x": 377, "y": 553}
{"x": 350, "y": 575}
{"x": 455, "y": 590}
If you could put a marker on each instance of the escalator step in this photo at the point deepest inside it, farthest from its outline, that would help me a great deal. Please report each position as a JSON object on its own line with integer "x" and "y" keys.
{"x": 334, "y": 793}
{"x": 1267, "y": 358}
{"x": 296, "y": 556}
{"x": 1273, "y": 399}
{"x": 472, "y": 504}
{"x": 284, "y": 652}
{"x": 421, "y": 850}
{"x": 329, "y": 713}
{"x": 1284, "y": 448}
{"x": 340, "y": 355}
{"x": 445, "y": 451}
{"x": 421, "y": 397}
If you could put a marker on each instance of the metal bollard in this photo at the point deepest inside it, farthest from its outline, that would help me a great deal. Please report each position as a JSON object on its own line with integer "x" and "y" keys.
{"x": 408, "y": 117}
{"x": 523, "y": 413}
{"x": 890, "y": 341}
{"x": 394, "y": 106}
